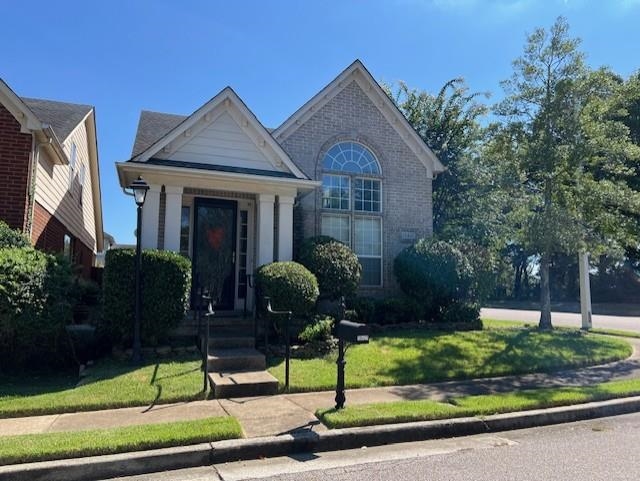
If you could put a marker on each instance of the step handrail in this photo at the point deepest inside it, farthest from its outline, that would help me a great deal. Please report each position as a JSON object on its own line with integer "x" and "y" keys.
{"x": 287, "y": 344}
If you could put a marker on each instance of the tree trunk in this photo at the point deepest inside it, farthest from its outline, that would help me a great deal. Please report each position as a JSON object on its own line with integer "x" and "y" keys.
{"x": 517, "y": 282}
{"x": 545, "y": 294}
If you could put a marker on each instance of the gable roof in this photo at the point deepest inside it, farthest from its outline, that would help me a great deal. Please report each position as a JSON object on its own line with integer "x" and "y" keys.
{"x": 152, "y": 126}
{"x": 182, "y": 125}
{"x": 358, "y": 72}
{"x": 63, "y": 117}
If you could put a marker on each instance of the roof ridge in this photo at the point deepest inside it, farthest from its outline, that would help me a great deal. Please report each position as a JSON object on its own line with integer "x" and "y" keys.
{"x": 62, "y": 102}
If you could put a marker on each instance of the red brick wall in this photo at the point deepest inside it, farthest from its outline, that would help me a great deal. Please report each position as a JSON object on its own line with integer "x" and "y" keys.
{"x": 15, "y": 150}
{"x": 48, "y": 235}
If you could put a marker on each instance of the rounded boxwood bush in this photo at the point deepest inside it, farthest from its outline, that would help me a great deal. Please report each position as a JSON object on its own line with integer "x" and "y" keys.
{"x": 35, "y": 307}
{"x": 436, "y": 274}
{"x": 11, "y": 237}
{"x": 334, "y": 264}
{"x": 166, "y": 283}
{"x": 290, "y": 286}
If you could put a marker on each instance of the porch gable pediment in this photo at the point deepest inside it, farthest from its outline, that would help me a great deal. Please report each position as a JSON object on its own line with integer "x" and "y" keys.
{"x": 223, "y": 132}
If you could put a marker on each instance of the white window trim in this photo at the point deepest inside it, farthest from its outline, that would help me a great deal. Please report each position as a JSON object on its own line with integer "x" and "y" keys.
{"x": 333, "y": 209}
{"x": 367, "y": 212}
{"x": 381, "y": 256}
{"x": 352, "y": 213}
{"x": 378, "y": 174}
{"x": 73, "y": 161}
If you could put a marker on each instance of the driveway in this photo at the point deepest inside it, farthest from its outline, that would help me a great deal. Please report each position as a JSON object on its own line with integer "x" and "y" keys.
{"x": 625, "y": 323}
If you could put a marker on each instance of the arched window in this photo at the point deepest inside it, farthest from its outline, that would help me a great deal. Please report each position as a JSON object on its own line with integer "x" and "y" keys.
{"x": 352, "y": 205}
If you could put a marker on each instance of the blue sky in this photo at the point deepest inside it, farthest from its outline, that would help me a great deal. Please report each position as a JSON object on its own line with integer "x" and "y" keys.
{"x": 172, "y": 56}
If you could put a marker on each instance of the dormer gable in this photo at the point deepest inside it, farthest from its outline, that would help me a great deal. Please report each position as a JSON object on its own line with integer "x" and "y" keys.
{"x": 223, "y": 132}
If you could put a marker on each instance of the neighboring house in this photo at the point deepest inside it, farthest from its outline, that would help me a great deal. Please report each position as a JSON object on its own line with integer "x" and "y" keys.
{"x": 49, "y": 177}
{"x": 233, "y": 195}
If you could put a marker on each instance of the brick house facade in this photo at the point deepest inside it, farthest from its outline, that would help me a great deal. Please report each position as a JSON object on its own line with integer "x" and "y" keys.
{"x": 49, "y": 181}
{"x": 405, "y": 184}
{"x": 15, "y": 157}
{"x": 346, "y": 164}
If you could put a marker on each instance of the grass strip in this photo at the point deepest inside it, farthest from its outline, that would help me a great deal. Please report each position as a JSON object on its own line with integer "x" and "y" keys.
{"x": 50, "y": 446}
{"x": 482, "y": 405}
{"x": 109, "y": 384}
{"x": 388, "y": 413}
{"x": 421, "y": 356}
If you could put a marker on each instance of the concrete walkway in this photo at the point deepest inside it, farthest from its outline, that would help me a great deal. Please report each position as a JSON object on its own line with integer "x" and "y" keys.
{"x": 629, "y": 322}
{"x": 294, "y": 413}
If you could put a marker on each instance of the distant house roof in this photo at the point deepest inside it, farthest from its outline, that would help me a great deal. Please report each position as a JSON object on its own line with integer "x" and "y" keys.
{"x": 63, "y": 117}
{"x": 152, "y": 126}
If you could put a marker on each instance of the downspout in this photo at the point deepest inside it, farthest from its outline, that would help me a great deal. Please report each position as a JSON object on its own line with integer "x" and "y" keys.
{"x": 33, "y": 174}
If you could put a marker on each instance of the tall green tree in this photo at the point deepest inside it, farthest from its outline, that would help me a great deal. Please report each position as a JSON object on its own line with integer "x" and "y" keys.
{"x": 569, "y": 155}
{"x": 450, "y": 124}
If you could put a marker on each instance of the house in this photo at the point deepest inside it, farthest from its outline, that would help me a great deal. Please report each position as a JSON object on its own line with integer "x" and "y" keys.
{"x": 49, "y": 177}
{"x": 346, "y": 164}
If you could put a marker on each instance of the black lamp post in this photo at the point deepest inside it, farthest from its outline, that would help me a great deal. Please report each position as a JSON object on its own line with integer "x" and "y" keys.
{"x": 139, "y": 188}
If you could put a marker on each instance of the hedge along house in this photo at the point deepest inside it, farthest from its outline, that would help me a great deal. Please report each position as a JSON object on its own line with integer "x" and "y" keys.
{"x": 233, "y": 195}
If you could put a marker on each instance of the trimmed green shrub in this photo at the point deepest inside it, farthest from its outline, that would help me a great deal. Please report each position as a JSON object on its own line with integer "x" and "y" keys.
{"x": 12, "y": 238}
{"x": 364, "y": 308}
{"x": 333, "y": 263}
{"x": 290, "y": 286}
{"x": 319, "y": 329}
{"x": 468, "y": 312}
{"x": 35, "y": 307}
{"x": 166, "y": 283}
{"x": 435, "y": 274}
{"x": 394, "y": 310}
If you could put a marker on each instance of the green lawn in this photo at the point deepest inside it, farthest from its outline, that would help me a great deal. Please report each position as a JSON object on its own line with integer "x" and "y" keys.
{"x": 411, "y": 411}
{"x": 110, "y": 384}
{"x": 49, "y": 446}
{"x": 410, "y": 357}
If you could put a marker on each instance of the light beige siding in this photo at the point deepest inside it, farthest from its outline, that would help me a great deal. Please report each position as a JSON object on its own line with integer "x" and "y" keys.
{"x": 223, "y": 142}
{"x": 59, "y": 196}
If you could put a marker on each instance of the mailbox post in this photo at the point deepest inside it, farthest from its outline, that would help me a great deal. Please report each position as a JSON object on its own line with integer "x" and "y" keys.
{"x": 353, "y": 333}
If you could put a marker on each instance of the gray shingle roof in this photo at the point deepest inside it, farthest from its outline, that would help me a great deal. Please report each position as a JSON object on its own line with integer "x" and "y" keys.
{"x": 152, "y": 126}
{"x": 62, "y": 116}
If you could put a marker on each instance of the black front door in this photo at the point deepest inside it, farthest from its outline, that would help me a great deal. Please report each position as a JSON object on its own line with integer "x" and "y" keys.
{"x": 214, "y": 246}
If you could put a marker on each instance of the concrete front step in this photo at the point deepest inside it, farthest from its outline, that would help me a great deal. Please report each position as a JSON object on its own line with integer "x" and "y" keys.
{"x": 242, "y": 383}
{"x": 232, "y": 342}
{"x": 238, "y": 359}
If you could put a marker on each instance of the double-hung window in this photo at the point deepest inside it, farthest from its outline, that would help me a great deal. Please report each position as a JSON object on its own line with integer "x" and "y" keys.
{"x": 352, "y": 205}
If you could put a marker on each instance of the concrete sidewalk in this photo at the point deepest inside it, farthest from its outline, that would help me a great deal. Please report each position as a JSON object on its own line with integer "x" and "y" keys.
{"x": 294, "y": 413}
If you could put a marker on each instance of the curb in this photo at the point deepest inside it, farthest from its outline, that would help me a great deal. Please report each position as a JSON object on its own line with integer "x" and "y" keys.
{"x": 142, "y": 462}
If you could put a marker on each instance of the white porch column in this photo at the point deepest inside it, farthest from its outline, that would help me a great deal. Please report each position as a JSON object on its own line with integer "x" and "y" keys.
{"x": 585, "y": 290}
{"x": 285, "y": 228}
{"x": 265, "y": 228}
{"x": 150, "y": 213}
{"x": 173, "y": 217}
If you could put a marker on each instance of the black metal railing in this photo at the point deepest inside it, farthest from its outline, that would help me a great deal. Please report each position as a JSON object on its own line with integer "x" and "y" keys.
{"x": 287, "y": 339}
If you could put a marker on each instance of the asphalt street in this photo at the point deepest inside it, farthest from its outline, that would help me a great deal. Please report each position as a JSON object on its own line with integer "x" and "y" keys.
{"x": 602, "y": 449}
{"x": 625, "y": 323}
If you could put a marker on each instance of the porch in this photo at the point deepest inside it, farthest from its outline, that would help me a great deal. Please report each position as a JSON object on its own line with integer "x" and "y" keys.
{"x": 228, "y": 224}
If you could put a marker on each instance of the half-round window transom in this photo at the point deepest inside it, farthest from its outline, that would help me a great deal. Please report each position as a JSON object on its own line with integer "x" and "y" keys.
{"x": 351, "y": 157}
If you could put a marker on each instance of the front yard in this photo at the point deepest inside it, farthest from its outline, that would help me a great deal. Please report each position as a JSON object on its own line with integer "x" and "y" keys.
{"x": 109, "y": 384}
{"x": 400, "y": 357}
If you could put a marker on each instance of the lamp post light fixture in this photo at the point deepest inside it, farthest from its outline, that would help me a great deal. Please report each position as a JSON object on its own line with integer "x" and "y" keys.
{"x": 139, "y": 190}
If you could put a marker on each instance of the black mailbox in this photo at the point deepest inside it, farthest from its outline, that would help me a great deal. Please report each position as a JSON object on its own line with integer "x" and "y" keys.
{"x": 353, "y": 332}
